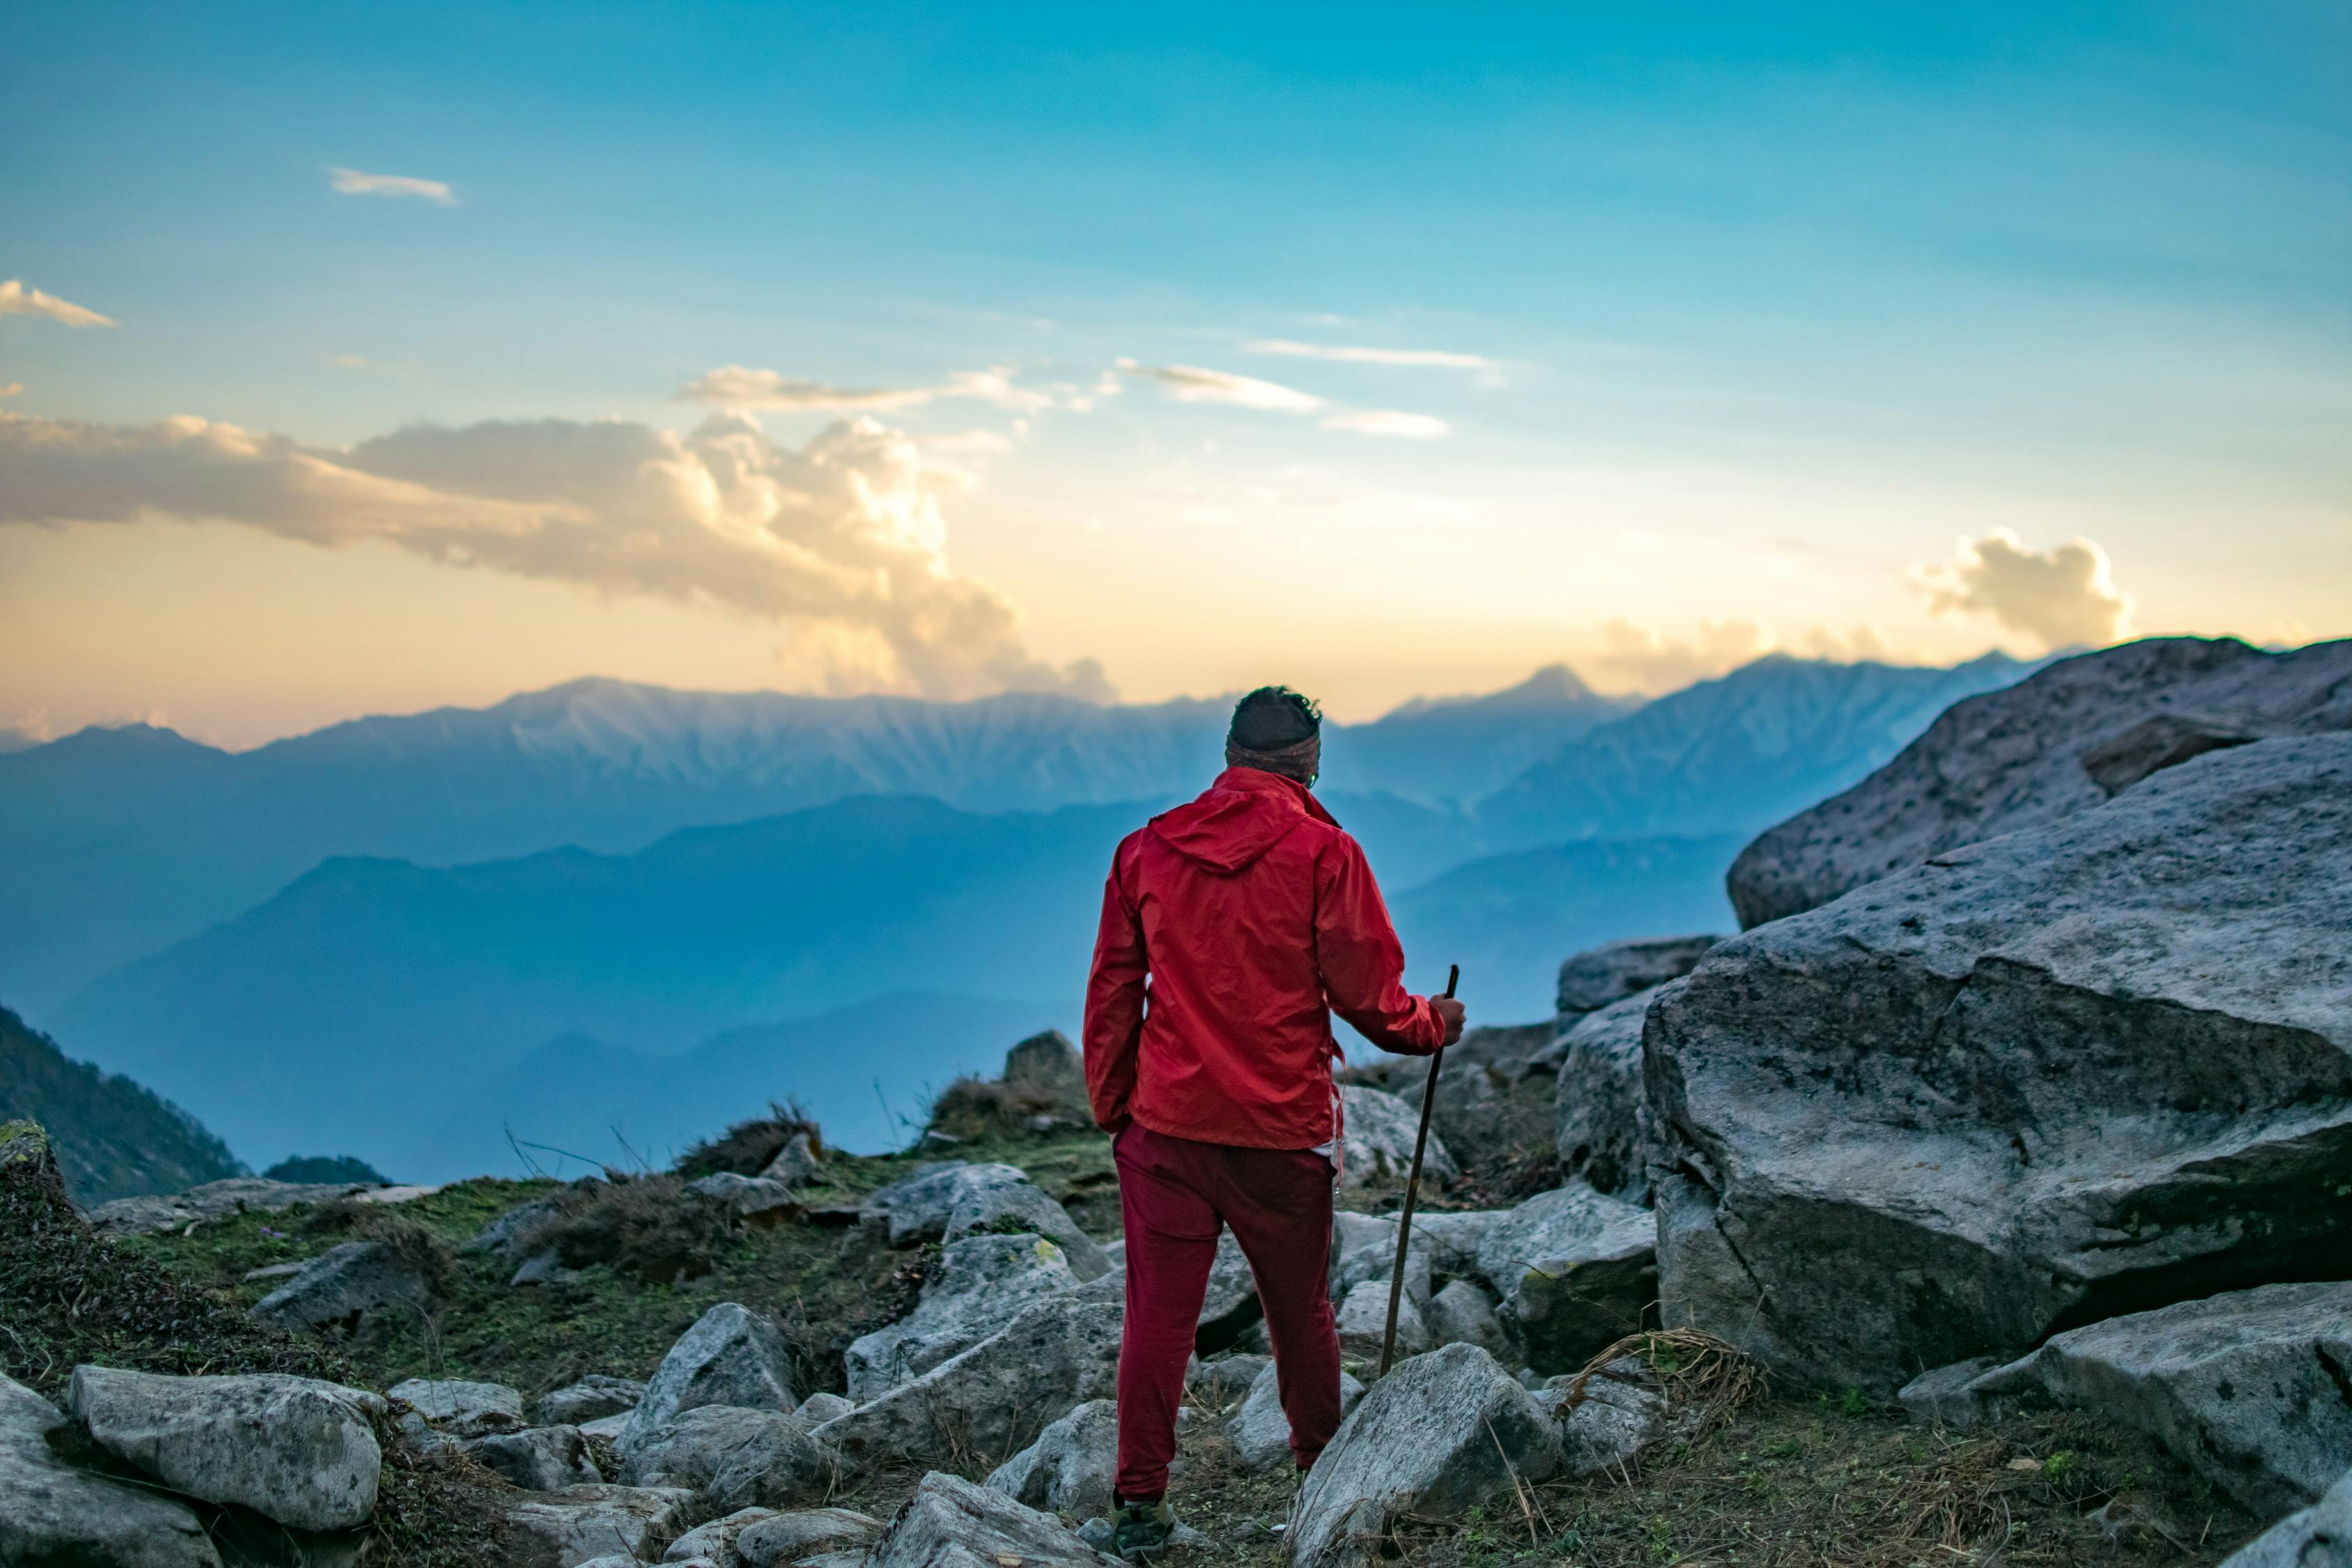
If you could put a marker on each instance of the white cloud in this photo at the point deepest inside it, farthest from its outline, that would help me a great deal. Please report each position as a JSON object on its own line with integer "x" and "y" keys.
{"x": 15, "y": 300}
{"x": 1627, "y": 658}
{"x": 740, "y": 386}
{"x": 1357, "y": 353}
{"x": 1391, "y": 422}
{"x": 347, "y": 361}
{"x": 842, "y": 540}
{"x": 354, "y": 183}
{"x": 11, "y": 388}
{"x": 2064, "y": 597}
{"x": 1191, "y": 383}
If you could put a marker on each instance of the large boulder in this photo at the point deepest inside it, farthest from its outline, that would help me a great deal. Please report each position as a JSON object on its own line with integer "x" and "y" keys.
{"x": 1260, "y": 1430}
{"x": 1361, "y": 1318}
{"x": 951, "y": 1523}
{"x": 981, "y": 1284}
{"x": 460, "y": 1408}
{"x": 981, "y": 1209}
{"x": 1603, "y": 977}
{"x": 295, "y": 1450}
{"x": 536, "y": 1459}
{"x": 812, "y": 1538}
{"x": 1601, "y": 1127}
{"x": 730, "y": 1356}
{"x": 1376, "y": 1143}
{"x": 732, "y": 1457}
{"x": 916, "y": 1207}
{"x": 591, "y": 1397}
{"x": 1491, "y": 1112}
{"x": 1440, "y": 1434}
{"x": 581, "y": 1524}
{"x": 2319, "y": 1536}
{"x": 1463, "y": 1314}
{"x": 2067, "y": 1073}
{"x": 52, "y": 1512}
{"x": 1608, "y": 1417}
{"x": 357, "y": 1285}
{"x": 1050, "y": 1068}
{"x": 993, "y": 1399}
{"x": 2250, "y": 1388}
{"x": 1070, "y": 1467}
{"x": 1574, "y": 1269}
{"x": 764, "y": 1201}
{"x": 2065, "y": 739}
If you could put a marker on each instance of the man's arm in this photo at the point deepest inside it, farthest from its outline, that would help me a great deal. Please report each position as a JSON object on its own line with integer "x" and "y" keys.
{"x": 1362, "y": 962}
{"x": 1113, "y": 1023}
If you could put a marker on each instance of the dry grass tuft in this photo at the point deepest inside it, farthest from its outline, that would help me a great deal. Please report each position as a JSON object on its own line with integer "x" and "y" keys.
{"x": 1705, "y": 1379}
{"x": 646, "y": 1228}
{"x": 749, "y": 1147}
{"x": 971, "y": 1108}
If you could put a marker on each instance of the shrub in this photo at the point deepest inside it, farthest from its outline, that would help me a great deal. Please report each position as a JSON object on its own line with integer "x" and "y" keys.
{"x": 749, "y": 1147}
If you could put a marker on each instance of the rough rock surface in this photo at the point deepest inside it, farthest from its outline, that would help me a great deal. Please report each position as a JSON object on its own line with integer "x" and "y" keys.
{"x": 715, "y": 1541}
{"x": 1070, "y": 1467}
{"x": 53, "y": 1513}
{"x": 1574, "y": 1270}
{"x": 1260, "y": 1432}
{"x": 819, "y": 1408}
{"x": 1608, "y": 1419}
{"x": 2252, "y": 1388}
{"x": 982, "y": 1283}
{"x": 730, "y": 1458}
{"x": 1490, "y": 1109}
{"x": 1376, "y": 1145}
{"x": 213, "y": 1200}
{"x": 981, "y": 1208}
{"x": 814, "y": 1534}
{"x": 593, "y": 1396}
{"x": 1463, "y": 1314}
{"x": 2071, "y": 1072}
{"x": 1362, "y": 1319}
{"x": 538, "y": 1460}
{"x": 507, "y": 1234}
{"x": 1603, "y": 977}
{"x": 995, "y": 1397}
{"x": 1602, "y": 1126}
{"x": 1050, "y": 1065}
{"x": 761, "y": 1200}
{"x": 584, "y": 1524}
{"x": 346, "y": 1289}
{"x": 293, "y": 1449}
{"x": 951, "y": 1523}
{"x": 1363, "y": 1248}
{"x": 797, "y": 1164}
{"x": 916, "y": 1207}
{"x": 2319, "y": 1536}
{"x": 730, "y": 1356}
{"x": 1439, "y": 1434}
{"x": 459, "y": 1408}
{"x": 2067, "y": 737}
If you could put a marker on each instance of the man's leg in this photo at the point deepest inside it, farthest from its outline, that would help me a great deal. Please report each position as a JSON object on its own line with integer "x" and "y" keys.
{"x": 1279, "y": 1204}
{"x": 1172, "y": 1240}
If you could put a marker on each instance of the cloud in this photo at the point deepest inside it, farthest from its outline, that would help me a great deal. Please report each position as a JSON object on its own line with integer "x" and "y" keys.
{"x": 1391, "y": 422}
{"x": 1357, "y": 353}
{"x": 740, "y": 386}
{"x": 2064, "y": 597}
{"x": 1191, "y": 383}
{"x": 842, "y": 540}
{"x": 347, "y": 361}
{"x": 1628, "y": 658}
{"x": 11, "y": 388}
{"x": 15, "y": 300}
{"x": 353, "y": 183}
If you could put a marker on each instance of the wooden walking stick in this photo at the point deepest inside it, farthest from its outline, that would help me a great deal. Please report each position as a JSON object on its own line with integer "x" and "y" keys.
{"x": 1412, "y": 1192}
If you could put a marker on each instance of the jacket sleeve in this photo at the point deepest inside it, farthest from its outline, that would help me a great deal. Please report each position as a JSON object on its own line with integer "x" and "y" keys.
{"x": 1361, "y": 960}
{"x": 1114, "y": 1021}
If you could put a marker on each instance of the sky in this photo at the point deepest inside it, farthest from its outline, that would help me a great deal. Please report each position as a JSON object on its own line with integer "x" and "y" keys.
{"x": 369, "y": 359}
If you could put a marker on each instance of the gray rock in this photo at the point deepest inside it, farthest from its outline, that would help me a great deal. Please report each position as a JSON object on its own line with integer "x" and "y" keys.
{"x": 1608, "y": 1419}
{"x": 732, "y": 1457}
{"x": 1490, "y": 1110}
{"x": 797, "y": 1164}
{"x": 730, "y": 1356}
{"x": 293, "y": 1449}
{"x": 1070, "y": 1467}
{"x": 55, "y": 1514}
{"x": 993, "y": 1399}
{"x": 2249, "y": 1388}
{"x": 983, "y": 1208}
{"x": 1260, "y": 1432}
{"x": 761, "y": 1200}
{"x": 459, "y": 1408}
{"x": 1440, "y": 1434}
{"x": 1453, "y": 1238}
{"x": 811, "y": 1536}
{"x": 1222, "y": 1384}
{"x": 506, "y": 1235}
{"x": 608, "y": 1428}
{"x": 1941, "y": 1396}
{"x": 1603, "y": 1127}
{"x": 981, "y": 1284}
{"x": 538, "y": 1460}
{"x": 916, "y": 1207}
{"x": 593, "y": 1396}
{"x": 270, "y": 1271}
{"x": 2063, "y": 740}
{"x": 1363, "y": 1248}
{"x": 2319, "y": 1536}
{"x": 346, "y": 1289}
{"x": 583, "y": 1524}
{"x": 1574, "y": 1270}
{"x": 951, "y": 1523}
{"x": 819, "y": 1408}
{"x": 1050, "y": 1066}
{"x": 2045, "y": 1079}
{"x": 544, "y": 1266}
{"x": 213, "y": 1200}
{"x": 1463, "y": 1314}
{"x": 1603, "y": 977}
{"x": 1362, "y": 1320}
{"x": 715, "y": 1542}
{"x": 1376, "y": 1143}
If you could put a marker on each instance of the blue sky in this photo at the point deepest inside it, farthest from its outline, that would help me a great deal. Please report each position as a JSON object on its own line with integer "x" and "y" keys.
{"x": 1765, "y": 310}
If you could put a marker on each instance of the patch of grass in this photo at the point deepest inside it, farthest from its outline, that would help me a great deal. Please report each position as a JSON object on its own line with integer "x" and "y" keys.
{"x": 749, "y": 1147}
{"x": 971, "y": 1109}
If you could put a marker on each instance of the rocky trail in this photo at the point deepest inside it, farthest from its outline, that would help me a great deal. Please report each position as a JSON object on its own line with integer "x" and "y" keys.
{"x": 1989, "y": 1204}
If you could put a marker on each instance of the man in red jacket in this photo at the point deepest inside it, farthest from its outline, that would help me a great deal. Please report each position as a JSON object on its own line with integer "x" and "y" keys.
{"x": 1231, "y": 928}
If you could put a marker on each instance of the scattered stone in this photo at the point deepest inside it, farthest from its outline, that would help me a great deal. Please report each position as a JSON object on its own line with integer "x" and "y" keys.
{"x": 982, "y": 1283}
{"x": 2319, "y": 1536}
{"x": 1603, "y": 977}
{"x": 2040, "y": 1079}
{"x": 715, "y": 1541}
{"x": 213, "y": 1200}
{"x": 1463, "y": 1314}
{"x": 1260, "y": 1432}
{"x": 1608, "y": 1419}
{"x": 759, "y": 1200}
{"x": 730, "y": 1356}
{"x": 544, "y": 1266}
{"x": 1070, "y": 1467}
{"x": 1490, "y": 1110}
{"x": 583, "y": 1524}
{"x": 797, "y": 1164}
{"x": 608, "y": 1428}
{"x": 916, "y": 1207}
{"x": 1377, "y": 1139}
{"x": 1050, "y": 1065}
{"x": 989, "y": 1206}
{"x": 346, "y": 1289}
{"x": 503, "y": 1235}
{"x": 1363, "y": 1250}
{"x": 730, "y": 1458}
{"x": 1363, "y": 1317}
{"x": 55, "y": 1514}
{"x": 819, "y": 1408}
{"x": 539, "y": 1460}
{"x": 459, "y": 1408}
{"x": 295, "y": 1450}
{"x": 1440, "y": 1434}
{"x": 813, "y": 1538}
{"x": 951, "y": 1523}
{"x": 1221, "y": 1383}
{"x": 1603, "y": 1127}
{"x": 591, "y": 1397}
{"x": 1574, "y": 1270}
{"x": 1941, "y": 1396}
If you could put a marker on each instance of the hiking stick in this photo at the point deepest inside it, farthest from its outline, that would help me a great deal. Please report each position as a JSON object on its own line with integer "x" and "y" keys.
{"x": 1412, "y": 1192}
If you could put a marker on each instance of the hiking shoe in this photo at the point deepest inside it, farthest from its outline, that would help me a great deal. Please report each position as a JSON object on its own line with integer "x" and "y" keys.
{"x": 1141, "y": 1530}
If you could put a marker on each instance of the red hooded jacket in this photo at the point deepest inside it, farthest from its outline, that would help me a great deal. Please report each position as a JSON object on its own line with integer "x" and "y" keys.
{"x": 1231, "y": 928}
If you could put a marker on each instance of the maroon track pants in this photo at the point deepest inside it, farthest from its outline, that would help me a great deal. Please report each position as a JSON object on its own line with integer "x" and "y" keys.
{"x": 1175, "y": 1193}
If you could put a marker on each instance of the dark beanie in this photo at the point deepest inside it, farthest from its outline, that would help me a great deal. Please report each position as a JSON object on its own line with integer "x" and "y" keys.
{"x": 1273, "y": 719}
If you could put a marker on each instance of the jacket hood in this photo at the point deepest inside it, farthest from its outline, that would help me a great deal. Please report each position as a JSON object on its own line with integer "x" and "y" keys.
{"x": 1242, "y": 814}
